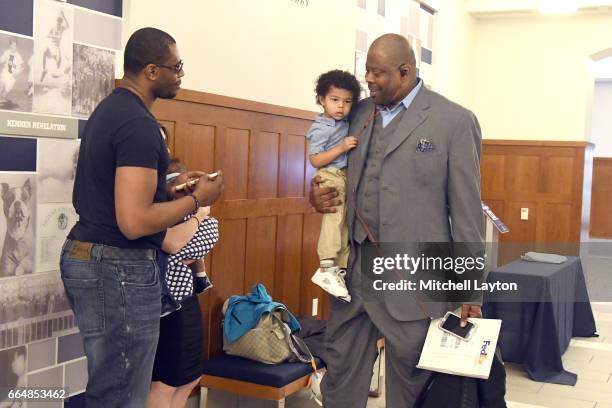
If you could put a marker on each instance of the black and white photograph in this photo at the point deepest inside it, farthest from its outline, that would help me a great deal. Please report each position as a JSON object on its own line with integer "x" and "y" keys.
{"x": 93, "y": 78}
{"x": 13, "y": 370}
{"x": 57, "y": 160}
{"x": 17, "y": 193}
{"x": 54, "y": 222}
{"x": 31, "y": 299}
{"x": 53, "y": 34}
{"x": 16, "y": 73}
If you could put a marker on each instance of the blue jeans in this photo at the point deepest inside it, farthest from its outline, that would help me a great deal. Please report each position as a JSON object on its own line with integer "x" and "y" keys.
{"x": 117, "y": 305}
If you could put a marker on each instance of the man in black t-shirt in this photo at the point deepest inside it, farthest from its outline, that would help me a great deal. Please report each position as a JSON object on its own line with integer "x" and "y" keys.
{"x": 110, "y": 263}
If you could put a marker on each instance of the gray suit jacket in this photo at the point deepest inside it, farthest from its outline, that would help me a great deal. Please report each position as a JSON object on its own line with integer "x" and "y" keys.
{"x": 429, "y": 196}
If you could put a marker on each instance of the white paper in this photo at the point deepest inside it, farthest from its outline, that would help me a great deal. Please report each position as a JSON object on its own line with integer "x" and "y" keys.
{"x": 448, "y": 354}
{"x": 54, "y": 223}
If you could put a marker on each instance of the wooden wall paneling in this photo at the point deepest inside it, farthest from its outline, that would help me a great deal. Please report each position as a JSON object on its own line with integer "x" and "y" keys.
{"x": 268, "y": 231}
{"x": 288, "y": 271}
{"x": 227, "y": 275}
{"x": 522, "y": 173}
{"x": 169, "y": 125}
{"x": 557, "y": 176}
{"x": 292, "y": 166}
{"x": 263, "y": 165}
{"x": 234, "y": 152}
{"x": 310, "y": 263}
{"x": 196, "y": 146}
{"x": 546, "y": 177}
{"x": 493, "y": 176}
{"x": 522, "y": 231}
{"x": 601, "y": 198}
{"x": 260, "y": 262}
{"x": 556, "y": 223}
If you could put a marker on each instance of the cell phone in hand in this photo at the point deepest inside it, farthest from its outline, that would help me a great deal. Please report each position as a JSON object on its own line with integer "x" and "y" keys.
{"x": 451, "y": 324}
{"x": 193, "y": 182}
{"x": 190, "y": 183}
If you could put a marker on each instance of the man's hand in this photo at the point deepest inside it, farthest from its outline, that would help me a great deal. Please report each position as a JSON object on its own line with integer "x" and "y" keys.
{"x": 323, "y": 199}
{"x": 469, "y": 311}
{"x": 207, "y": 190}
{"x": 349, "y": 143}
{"x": 184, "y": 178}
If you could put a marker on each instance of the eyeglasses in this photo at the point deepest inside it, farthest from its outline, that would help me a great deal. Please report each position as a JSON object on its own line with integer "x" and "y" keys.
{"x": 178, "y": 67}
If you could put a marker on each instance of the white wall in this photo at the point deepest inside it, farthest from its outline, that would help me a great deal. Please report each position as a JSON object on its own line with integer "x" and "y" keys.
{"x": 269, "y": 51}
{"x": 531, "y": 77}
{"x": 453, "y": 56}
{"x": 272, "y": 51}
{"x": 601, "y": 125}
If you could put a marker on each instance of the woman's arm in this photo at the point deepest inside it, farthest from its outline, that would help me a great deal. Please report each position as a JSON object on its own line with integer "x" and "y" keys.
{"x": 179, "y": 235}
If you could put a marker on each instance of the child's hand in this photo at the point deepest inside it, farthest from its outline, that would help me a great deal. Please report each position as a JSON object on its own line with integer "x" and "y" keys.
{"x": 203, "y": 212}
{"x": 349, "y": 142}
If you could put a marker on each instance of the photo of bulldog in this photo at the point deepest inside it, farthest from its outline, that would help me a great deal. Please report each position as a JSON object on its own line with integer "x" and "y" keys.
{"x": 17, "y": 196}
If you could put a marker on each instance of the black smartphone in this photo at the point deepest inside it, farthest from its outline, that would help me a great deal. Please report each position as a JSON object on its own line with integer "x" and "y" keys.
{"x": 452, "y": 325}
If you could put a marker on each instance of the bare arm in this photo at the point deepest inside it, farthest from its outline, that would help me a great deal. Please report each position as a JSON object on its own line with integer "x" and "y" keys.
{"x": 138, "y": 216}
{"x": 324, "y": 158}
{"x": 179, "y": 235}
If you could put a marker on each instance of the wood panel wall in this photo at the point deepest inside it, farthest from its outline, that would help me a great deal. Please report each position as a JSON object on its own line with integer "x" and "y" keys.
{"x": 551, "y": 179}
{"x": 601, "y": 198}
{"x": 268, "y": 231}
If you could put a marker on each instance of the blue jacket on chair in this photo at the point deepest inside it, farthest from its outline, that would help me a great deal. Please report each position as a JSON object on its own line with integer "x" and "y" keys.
{"x": 243, "y": 312}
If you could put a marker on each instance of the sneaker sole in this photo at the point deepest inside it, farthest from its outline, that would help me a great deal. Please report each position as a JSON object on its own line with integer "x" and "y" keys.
{"x": 319, "y": 284}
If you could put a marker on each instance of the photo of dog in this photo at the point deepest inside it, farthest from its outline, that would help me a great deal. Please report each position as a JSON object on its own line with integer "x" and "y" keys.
{"x": 17, "y": 195}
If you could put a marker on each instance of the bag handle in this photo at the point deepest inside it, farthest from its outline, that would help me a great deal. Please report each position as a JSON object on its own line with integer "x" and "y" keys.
{"x": 298, "y": 348}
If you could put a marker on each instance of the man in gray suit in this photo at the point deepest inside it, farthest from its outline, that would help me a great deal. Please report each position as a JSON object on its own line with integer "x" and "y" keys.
{"x": 414, "y": 177}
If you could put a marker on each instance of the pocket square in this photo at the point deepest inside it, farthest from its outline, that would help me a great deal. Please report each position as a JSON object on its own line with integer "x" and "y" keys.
{"x": 424, "y": 145}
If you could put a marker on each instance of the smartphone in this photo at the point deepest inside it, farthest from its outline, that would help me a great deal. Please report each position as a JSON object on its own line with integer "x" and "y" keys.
{"x": 193, "y": 182}
{"x": 190, "y": 183}
{"x": 451, "y": 324}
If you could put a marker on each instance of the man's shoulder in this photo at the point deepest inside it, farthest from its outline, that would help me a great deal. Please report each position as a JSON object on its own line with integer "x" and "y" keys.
{"x": 123, "y": 109}
{"x": 438, "y": 101}
{"x": 363, "y": 107}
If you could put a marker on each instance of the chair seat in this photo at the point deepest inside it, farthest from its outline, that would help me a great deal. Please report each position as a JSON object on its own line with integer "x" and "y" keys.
{"x": 244, "y": 369}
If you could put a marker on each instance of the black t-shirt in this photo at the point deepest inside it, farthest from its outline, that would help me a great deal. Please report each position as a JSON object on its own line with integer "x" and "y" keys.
{"x": 120, "y": 132}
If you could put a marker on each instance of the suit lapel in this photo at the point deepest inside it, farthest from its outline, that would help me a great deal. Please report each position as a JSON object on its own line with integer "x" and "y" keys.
{"x": 358, "y": 155}
{"x": 413, "y": 117}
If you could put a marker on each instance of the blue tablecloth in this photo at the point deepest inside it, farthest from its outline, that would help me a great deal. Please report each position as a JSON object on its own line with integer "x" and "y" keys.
{"x": 537, "y": 328}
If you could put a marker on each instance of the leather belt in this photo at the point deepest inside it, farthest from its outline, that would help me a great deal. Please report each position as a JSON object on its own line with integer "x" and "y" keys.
{"x": 84, "y": 250}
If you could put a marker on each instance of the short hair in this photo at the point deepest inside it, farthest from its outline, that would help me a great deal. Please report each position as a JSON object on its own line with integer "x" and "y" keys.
{"x": 176, "y": 166}
{"x": 339, "y": 79}
{"x": 146, "y": 46}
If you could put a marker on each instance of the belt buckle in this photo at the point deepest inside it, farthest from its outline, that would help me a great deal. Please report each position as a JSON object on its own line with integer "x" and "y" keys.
{"x": 81, "y": 250}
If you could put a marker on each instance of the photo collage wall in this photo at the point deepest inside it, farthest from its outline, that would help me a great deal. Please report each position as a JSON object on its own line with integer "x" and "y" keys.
{"x": 410, "y": 18}
{"x": 54, "y": 70}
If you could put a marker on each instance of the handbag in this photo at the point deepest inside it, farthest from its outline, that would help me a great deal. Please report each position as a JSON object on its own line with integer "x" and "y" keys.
{"x": 270, "y": 341}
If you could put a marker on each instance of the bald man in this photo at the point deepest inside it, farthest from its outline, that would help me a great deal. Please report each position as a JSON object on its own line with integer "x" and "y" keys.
{"x": 414, "y": 173}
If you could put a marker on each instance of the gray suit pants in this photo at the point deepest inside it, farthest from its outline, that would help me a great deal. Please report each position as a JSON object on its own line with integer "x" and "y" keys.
{"x": 351, "y": 335}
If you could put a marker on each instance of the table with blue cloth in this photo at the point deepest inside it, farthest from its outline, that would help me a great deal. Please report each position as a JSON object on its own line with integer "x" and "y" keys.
{"x": 550, "y": 307}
